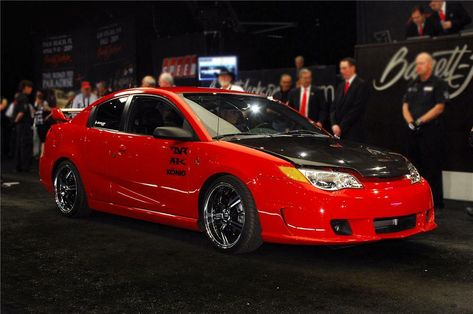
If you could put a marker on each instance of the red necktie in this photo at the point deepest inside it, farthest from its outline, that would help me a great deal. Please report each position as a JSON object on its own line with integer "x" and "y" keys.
{"x": 442, "y": 15}
{"x": 303, "y": 107}
{"x": 421, "y": 31}
{"x": 347, "y": 86}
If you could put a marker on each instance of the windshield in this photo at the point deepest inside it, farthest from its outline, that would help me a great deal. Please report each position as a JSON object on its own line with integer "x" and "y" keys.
{"x": 231, "y": 114}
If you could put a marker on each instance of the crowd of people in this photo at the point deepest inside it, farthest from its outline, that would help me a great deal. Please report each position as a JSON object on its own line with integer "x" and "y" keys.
{"x": 25, "y": 125}
{"x": 447, "y": 18}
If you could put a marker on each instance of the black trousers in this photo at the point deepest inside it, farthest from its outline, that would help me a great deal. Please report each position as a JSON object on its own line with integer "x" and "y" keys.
{"x": 23, "y": 146}
{"x": 426, "y": 148}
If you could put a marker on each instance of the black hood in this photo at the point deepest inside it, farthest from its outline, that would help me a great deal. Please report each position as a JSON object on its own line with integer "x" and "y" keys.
{"x": 317, "y": 151}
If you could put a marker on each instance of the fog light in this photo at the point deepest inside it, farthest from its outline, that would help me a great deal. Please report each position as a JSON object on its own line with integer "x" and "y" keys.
{"x": 341, "y": 227}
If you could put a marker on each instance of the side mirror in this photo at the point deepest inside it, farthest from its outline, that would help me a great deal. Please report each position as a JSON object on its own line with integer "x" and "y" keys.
{"x": 58, "y": 115}
{"x": 170, "y": 132}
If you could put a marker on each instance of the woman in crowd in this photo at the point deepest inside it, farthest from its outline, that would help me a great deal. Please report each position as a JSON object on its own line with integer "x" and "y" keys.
{"x": 42, "y": 115}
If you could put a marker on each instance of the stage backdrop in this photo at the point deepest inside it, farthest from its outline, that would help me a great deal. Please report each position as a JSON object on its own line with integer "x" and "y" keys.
{"x": 267, "y": 81}
{"x": 94, "y": 53}
{"x": 388, "y": 68}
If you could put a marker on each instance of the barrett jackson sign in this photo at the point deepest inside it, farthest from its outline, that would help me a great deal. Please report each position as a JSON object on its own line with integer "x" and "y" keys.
{"x": 394, "y": 67}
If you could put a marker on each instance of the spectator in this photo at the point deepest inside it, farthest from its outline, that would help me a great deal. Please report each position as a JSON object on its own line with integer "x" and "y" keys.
{"x": 85, "y": 98}
{"x": 148, "y": 81}
{"x": 41, "y": 116}
{"x": 23, "y": 121}
{"x": 423, "y": 105}
{"x": 225, "y": 79}
{"x": 348, "y": 107}
{"x": 285, "y": 85}
{"x": 308, "y": 99}
{"x": 450, "y": 18}
{"x": 299, "y": 64}
{"x": 102, "y": 89}
{"x": 6, "y": 127}
{"x": 10, "y": 111}
{"x": 420, "y": 25}
{"x": 165, "y": 80}
{"x": 70, "y": 98}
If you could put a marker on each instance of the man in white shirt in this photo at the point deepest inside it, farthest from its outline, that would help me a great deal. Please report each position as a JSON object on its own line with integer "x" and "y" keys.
{"x": 308, "y": 99}
{"x": 225, "y": 80}
{"x": 85, "y": 98}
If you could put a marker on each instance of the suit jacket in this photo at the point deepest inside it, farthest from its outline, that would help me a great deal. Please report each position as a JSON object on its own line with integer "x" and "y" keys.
{"x": 455, "y": 13}
{"x": 281, "y": 96}
{"x": 317, "y": 104}
{"x": 348, "y": 110}
{"x": 431, "y": 28}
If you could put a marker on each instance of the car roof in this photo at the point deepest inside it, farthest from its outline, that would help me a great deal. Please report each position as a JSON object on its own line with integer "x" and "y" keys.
{"x": 185, "y": 89}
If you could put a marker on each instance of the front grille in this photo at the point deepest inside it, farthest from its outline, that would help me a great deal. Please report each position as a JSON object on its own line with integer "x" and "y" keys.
{"x": 394, "y": 224}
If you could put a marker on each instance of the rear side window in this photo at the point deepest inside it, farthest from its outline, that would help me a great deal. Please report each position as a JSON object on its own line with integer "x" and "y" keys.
{"x": 148, "y": 113}
{"x": 109, "y": 114}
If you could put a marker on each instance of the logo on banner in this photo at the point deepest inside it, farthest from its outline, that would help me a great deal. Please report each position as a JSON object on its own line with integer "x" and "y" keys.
{"x": 180, "y": 67}
{"x": 455, "y": 66}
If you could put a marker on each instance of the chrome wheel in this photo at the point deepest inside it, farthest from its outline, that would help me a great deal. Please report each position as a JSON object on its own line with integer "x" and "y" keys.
{"x": 224, "y": 215}
{"x": 65, "y": 188}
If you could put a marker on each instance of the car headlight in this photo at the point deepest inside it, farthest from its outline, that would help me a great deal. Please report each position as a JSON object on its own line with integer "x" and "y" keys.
{"x": 323, "y": 179}
{"x": 413, "y": 175}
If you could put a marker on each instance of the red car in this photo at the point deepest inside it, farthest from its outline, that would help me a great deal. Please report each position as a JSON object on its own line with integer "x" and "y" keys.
{"x": 242, "y": 168}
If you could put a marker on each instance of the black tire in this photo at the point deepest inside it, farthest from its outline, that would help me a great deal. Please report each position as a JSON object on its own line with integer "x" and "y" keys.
{"x": 73, "y": 203}
{"x": 229, "y": 188}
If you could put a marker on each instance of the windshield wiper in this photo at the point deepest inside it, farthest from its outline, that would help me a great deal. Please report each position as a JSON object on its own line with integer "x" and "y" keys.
{"x": 234, "y": 134}
{"x": 300, "y": 132}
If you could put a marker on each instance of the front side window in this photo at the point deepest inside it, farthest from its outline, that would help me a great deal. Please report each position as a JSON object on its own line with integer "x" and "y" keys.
{"x": 108, "y": 114}
{"x": 148, "y": 112}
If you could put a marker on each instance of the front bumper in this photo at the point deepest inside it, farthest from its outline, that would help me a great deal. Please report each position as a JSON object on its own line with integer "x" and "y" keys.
{"x": 381, "y": 210}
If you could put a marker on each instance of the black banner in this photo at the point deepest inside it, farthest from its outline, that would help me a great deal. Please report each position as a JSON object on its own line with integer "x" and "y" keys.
{"x": 56, "y": 61}
{"x": 91, "y": 53}
{"x": 267, "y": 81}
{"x": 389, "y": 67}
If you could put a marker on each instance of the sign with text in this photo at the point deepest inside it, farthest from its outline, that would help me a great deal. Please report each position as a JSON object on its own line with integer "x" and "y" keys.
{"x": 181, "y": 67}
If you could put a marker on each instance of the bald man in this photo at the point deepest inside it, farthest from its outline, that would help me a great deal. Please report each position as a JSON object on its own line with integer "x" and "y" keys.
{"x": 148, "y": 81}
{"x": 423, "y": 105}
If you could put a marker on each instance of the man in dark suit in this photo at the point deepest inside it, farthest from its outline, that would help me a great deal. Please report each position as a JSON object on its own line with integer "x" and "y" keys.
{"x": 348, "y": 108}
{"x": 285, "y": 85}
{"x": 421, "y": 25}
{"x": 451, "y": 17}
{"x": 308, "y": 99}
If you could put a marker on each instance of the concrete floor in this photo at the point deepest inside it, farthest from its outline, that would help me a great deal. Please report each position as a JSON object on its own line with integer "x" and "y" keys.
{"x": 104, "y": 263}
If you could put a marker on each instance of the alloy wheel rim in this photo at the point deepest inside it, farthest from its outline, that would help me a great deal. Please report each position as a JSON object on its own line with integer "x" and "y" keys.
{"x": 65, "y": 186}
{"x": 224, "y": 215}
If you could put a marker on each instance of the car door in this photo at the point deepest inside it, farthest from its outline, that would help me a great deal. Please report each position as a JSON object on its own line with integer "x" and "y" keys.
{"x": 152, "y": 173}
{"x": 104, "y": 123}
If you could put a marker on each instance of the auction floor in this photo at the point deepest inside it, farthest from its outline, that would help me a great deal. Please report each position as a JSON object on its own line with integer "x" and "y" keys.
{"x": 109, "y": 264}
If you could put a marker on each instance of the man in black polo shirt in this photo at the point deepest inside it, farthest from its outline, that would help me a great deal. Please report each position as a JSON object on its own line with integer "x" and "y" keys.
{"x": 23, "y": 120}
{"x": 424, "y": 103}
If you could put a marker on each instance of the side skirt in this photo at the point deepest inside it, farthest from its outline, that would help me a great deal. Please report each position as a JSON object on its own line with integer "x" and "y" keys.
{"x": 147, "y": 215}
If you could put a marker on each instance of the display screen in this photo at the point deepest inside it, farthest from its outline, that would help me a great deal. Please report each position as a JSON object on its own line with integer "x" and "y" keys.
{"x": 209, "y": 67}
